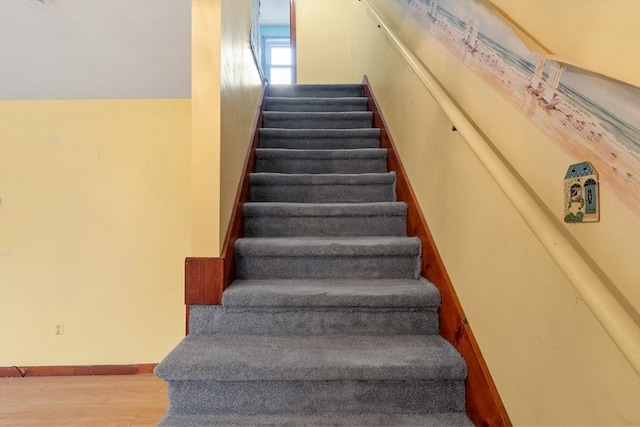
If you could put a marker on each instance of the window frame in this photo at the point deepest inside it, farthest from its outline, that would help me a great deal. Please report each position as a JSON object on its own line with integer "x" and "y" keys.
{"x": 275, "y": 42}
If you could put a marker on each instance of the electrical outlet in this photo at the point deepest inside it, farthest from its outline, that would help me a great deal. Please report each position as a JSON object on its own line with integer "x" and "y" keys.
{"x": 60, "y": 328}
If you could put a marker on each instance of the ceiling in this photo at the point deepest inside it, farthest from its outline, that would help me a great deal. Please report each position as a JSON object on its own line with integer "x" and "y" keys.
{"x": 274, "y": 12}
{"x": 101, "y": 49}
{"x": 94, "y": 49}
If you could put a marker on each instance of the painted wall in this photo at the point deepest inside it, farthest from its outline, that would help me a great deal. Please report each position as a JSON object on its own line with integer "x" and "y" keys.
{"x": 206, "y": 66}
{"x": 551, "y": 360}
{"x": 100, "y": 199}
{"x": 601, "y": 35}
{"x": 94, "y": 227}
{"x": 240, "y": 92}
{"x": 94, "y": 180}
{"x": 323, "y": 52}
{"x": 226, "y": 89}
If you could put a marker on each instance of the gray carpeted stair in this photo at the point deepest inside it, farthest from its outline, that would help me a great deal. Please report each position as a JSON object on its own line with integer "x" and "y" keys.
{"x": 328, "y": 258}
{"x": 254, "y": 374}
{"x": 353, "y": 161}
{"x": 346, "y": 120}
{"x": 324, "y": 219}
{"x": 322, "y": 307}
{"x": 316, "y": 91}
{"x": 322, "y": 188}
{"x": 318, "y": 139}
{"x": 316, "y": 104}
{"x": 370, "y": 419}
{"x": 328, "y": 321}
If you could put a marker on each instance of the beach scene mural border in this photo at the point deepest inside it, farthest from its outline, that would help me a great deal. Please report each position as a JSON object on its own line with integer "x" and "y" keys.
{"x": 591, "y": 117}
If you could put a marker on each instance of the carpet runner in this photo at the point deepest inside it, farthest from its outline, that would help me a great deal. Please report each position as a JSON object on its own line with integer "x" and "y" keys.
{"x": 328, "y": 321}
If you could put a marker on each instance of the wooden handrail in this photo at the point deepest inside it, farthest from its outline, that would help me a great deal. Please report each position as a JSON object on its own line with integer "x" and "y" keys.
{"x": 293, "y": 41}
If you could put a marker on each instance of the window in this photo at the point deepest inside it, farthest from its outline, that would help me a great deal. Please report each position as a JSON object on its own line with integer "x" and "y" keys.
{"x": 278, "y": 60}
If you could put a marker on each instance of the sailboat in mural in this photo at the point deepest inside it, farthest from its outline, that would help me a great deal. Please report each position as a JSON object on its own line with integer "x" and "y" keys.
{"x": 432, "y": 12}
{"x": 471, "y": 31}
{"x": 470, "y": 37}
{"x": 547, "y": 90}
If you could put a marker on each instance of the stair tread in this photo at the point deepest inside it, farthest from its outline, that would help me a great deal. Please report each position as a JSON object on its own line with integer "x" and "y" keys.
{"x": 319, "y": 133}
{"x": 310, "y": 104}
{"x": 319, "y": 419}
{"x": 317, "y": 120}
{"x": 388, "y": 246}
{"x": 273, "y": 209}
{"x": 298, "y": 102}
{"x": 316, "y": 90}
{"x": 302, "y": 99}
{"x": 208, "y": 357}
{"x": 336, "y": 115}
{"x": 398, "y": 293}
{"x": 262, "y": 178}
{"x": 322, "y": 154}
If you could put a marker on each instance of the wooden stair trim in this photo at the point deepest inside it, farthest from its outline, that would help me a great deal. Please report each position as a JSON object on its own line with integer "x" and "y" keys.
{"x": 60, "y": 371}
{"x": 484, "y": 405}
{"x": 206, "y": 278}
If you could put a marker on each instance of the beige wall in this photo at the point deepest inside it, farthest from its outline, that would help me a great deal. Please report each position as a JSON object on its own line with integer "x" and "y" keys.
{"x": 102, "y": 200}
{"x": 240, "y": 97}
{"x": 600, "y": 35}
{"x": 206, "y": 36}
{"x": 94, "y": 227}
{"x": 551, "y": 360}
{"x": 323, "y": 54}
{"x": 226, "y": 91}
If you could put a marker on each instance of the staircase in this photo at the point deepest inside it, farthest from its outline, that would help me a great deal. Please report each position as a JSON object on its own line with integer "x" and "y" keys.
{"x": 328, "y": 321}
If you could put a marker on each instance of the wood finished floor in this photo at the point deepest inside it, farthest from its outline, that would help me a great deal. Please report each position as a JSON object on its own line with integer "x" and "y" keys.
{"x": 109, "y": 401}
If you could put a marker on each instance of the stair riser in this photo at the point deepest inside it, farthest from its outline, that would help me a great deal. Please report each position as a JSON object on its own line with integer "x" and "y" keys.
{"x": 329, "y": 419}
{"x": 314, "y": 123}
{"x": 316, "y": 107}
{"x": 315, "y": 91}
{"x": 269, "y": 226}
{"x": 274, "y": 397}
{"x": 312, "y": 321}
{"x": 322, "y": 193}
{"x": 288, "y": 165}
{"x": 327, "y": 267}
{"x": 319, "y": 139}
{"x": 319, "y": 143}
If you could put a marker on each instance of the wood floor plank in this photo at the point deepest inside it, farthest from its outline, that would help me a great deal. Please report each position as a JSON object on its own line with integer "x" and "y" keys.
{"x": 114, "y": 421}
{"x": 109, "y": 401}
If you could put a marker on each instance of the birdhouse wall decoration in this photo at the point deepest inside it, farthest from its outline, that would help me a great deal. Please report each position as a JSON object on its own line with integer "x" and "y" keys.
{"x": 581, "y": 194}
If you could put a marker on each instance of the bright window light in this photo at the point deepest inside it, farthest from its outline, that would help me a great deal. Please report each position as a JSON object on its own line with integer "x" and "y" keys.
{"x": 280, "y": 75}
{"x": 280, "y": 56}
